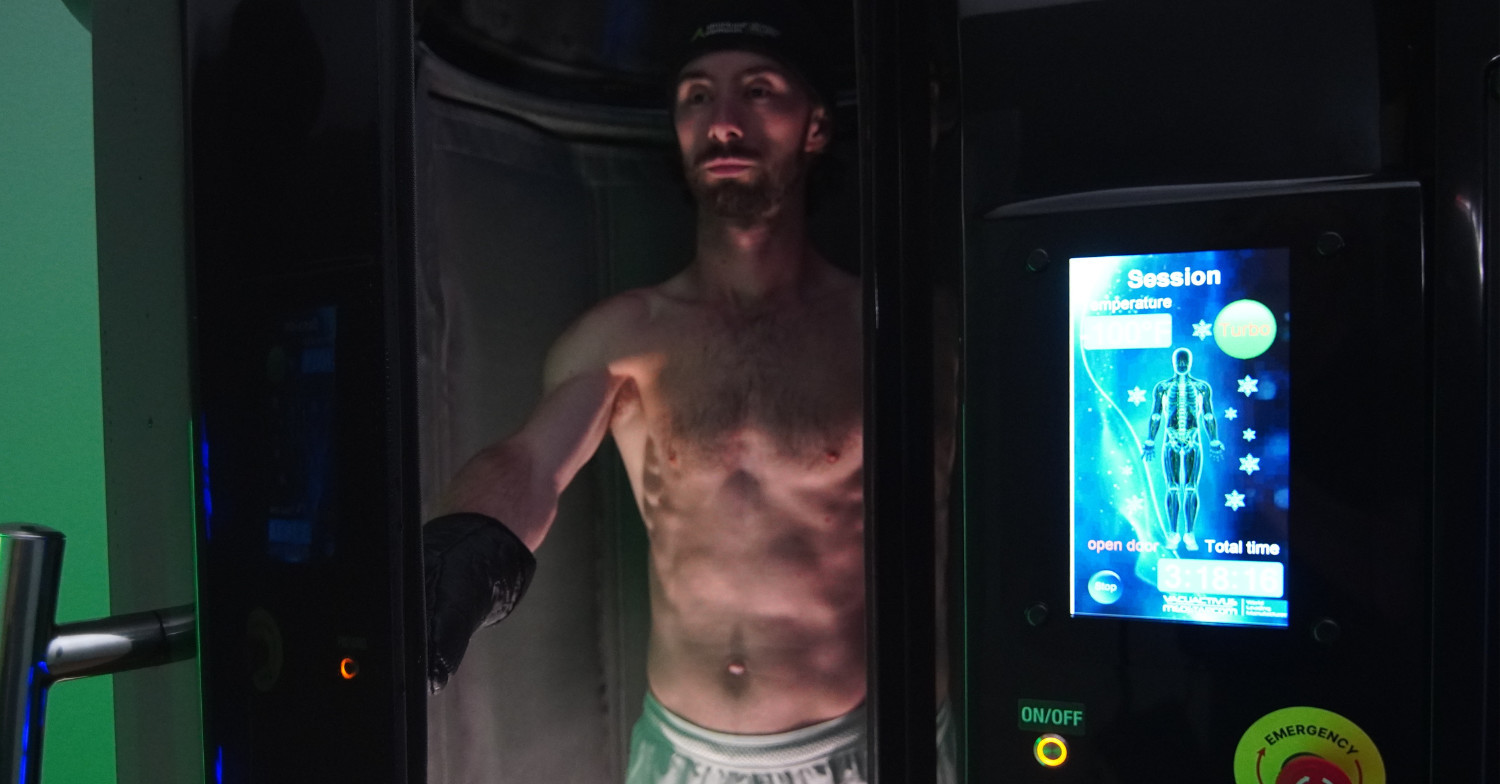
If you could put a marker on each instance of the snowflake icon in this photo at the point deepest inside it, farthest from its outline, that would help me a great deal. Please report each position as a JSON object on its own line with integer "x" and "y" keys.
{"x": 1234, "y": 499}
{"x": 1248, "y": 385}
{"x": 1134, "y": 504}
{"x": 1230, "y": 413}
{"x": 1248, "y": 435}
{"x": 1127, "y": 469}
{"x": 1249, "y": 464}
{"x": 1202, "y": 330}
{"x": 1136, "y": 395}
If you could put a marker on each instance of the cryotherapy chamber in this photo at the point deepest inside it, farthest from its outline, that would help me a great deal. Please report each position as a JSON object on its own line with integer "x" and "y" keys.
{"x": 391, "y": 223}
{"x": 1223, "y": 466}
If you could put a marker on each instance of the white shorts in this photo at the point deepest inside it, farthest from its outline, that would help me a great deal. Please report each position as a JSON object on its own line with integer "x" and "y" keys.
{"x": 668, "y": 749}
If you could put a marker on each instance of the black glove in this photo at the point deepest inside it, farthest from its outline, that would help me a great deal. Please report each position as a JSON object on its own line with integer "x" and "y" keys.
{"x": 476, "y": 572}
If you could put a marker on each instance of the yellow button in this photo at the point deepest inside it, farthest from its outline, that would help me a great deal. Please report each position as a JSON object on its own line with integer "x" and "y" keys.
{"x": 1051, "y": 750}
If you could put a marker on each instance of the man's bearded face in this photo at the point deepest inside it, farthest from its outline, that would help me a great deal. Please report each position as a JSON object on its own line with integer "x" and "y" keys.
{"x": 748, "y": 132}
{"x": 758, "y": 193}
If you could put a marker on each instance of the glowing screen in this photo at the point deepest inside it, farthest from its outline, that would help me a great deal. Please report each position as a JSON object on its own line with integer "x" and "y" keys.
{"x": 1179, "y": 423}
{"x": 300, "y": 419}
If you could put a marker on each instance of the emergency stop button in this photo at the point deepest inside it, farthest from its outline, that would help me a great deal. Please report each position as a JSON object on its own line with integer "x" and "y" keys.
{"x": 1311, "y": 769}
{"x": 1306, "y": 745}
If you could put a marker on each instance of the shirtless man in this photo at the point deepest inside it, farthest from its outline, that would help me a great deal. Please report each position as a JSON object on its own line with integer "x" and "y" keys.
{"x": 733, "y": 391}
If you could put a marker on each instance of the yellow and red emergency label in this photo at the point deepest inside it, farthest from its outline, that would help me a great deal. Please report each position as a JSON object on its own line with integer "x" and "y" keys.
{"x": 1291, "y": 734}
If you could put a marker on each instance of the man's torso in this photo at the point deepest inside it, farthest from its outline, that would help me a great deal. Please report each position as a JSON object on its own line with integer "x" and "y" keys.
{"x": 741, "y": 431}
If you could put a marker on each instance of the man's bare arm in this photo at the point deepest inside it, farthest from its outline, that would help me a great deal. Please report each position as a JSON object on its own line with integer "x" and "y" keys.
{"x": 477, "y": 556}
{"x": 518, "y": 480}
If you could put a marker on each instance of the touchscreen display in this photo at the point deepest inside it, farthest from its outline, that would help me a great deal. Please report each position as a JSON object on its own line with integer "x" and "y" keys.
{"x": 300, "y": 417}
{"x": 1179, "y": 394}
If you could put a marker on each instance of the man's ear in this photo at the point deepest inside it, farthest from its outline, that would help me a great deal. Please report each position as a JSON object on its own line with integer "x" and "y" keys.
{"x": 819, "y": 130}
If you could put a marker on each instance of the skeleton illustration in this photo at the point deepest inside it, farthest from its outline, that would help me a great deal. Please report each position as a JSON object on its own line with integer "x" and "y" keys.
{"x": 1186, "y": 405}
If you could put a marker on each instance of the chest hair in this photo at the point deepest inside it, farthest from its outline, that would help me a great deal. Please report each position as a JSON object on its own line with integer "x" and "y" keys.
{"x": 792, "y": 375}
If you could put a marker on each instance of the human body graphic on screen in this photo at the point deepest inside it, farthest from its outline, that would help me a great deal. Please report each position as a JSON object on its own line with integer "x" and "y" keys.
{"x": 1182, "y": 407}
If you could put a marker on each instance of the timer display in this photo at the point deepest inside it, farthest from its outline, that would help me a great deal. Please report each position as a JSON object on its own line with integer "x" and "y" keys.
{"x": 1220, "y": 577}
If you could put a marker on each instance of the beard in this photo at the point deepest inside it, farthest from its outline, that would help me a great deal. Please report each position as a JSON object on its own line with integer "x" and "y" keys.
{"x": 758, "y": 197}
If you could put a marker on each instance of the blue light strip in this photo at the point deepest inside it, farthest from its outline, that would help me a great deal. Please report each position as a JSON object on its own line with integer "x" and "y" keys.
{"x": 208, "y": 499}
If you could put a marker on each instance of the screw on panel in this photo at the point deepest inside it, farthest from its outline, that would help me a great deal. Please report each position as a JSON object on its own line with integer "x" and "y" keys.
{"x": 1325, "y": 631}
{"x": 1038, "y": 260}
{"x": 1330, "y": 244}
{"x": 1036, "y": 614}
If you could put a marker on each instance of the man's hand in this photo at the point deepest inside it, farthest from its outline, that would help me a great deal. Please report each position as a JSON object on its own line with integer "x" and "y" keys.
{"x": 475, "y": 571}
{"x": 1148, "y": 450}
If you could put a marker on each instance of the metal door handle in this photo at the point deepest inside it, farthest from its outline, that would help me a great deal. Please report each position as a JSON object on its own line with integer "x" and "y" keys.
{"x": 35, "y": 652}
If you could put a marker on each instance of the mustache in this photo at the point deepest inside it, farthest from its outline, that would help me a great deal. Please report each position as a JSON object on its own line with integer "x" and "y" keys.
{"x": 726, "y": 151}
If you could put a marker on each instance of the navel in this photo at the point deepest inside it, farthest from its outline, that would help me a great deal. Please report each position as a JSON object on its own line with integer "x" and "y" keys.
{"x": 736, "y": 664}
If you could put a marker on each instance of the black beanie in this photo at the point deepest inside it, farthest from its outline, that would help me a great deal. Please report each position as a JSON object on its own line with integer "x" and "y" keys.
{"x": 779, "y": 29}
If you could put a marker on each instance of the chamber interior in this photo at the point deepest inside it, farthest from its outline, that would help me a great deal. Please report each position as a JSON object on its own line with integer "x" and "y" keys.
{"x": 521, "y": 229}
{"x": 530, "y": 210}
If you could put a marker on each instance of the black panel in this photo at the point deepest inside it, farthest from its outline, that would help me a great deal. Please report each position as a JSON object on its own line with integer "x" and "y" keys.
{"x": 299, "y": 128}
{"x": 1094, "y": 95}
{"x": 1168, "y": 702}
{"x": 900, "y": 534}
{"x": 295, "y": 572}
{"x": 1466, "y": 539}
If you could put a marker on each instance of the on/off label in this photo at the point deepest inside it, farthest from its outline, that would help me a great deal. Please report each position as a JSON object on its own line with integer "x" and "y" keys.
{"x": 1063, "y": 718}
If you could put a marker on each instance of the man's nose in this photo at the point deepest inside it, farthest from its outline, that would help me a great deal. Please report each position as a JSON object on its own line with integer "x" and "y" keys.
{"x": 725, "y": 125}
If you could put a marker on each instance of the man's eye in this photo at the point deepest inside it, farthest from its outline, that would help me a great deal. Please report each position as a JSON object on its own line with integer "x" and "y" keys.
{"x": 758, "y": 91}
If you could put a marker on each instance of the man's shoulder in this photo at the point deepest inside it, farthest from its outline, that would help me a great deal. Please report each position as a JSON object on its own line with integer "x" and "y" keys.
{"x": 627, "y": 310}
{"x": 604, "y": 334}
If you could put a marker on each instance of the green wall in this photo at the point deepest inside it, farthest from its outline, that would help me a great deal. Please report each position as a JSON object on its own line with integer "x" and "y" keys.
{"x": 51, "y": 438}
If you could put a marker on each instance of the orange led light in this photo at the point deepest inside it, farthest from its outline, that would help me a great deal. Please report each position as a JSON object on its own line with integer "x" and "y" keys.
{"x": 348, "y": 668}
{"x": 1051, "y": 750}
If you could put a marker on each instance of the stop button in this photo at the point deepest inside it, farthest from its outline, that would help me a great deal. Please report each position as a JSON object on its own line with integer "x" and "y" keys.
{"x": 1311, "y": 770}
{"x": 1306, "y": 745}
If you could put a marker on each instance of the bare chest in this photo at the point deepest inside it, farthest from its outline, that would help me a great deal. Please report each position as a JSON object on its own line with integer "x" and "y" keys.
{"x": 791, "y": 379}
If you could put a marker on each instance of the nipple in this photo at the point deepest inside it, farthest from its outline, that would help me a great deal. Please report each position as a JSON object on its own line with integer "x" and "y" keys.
{"x": 832, "y": 456}
{"x": 736, "y": 668}
{"x": 672, "y": 456}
